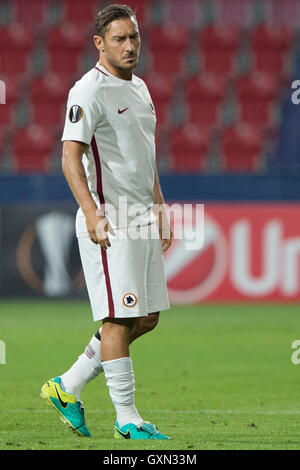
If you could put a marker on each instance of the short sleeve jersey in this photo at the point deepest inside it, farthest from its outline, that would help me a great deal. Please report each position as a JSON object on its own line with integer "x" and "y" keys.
{"x": 116, "y": 118}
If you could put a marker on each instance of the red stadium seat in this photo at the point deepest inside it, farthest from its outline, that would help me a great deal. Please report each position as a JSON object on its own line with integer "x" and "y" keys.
{"x": 241, "y": 147}
{"x": 16, "y": 42}
{"x": 188, "y": 148}
{"x": 80, "y": 12}
{"x": 31, "y": 12}
{"x": 48, "y": 99}
{"x": 218, "y": 46}
{"x": 32, "y": 149}
{"x": 161, "y": 139}
{"x": 167, "y": 45}
{"x": 257, "y": 93}
{"x": 288, "y": 15}
{"x": 233, "y": 12}
{"x": 8, "y": 109}
{"x": 182, "y": 12}
{"x": 160, "y": 88}
{"x": 204, "y": 95}
{"x": 270, "y": 46}
{"x": 65, "y": 46}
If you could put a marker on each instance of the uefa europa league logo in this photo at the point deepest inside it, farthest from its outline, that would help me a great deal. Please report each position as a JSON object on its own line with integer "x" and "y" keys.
{"x": 55, "y": 233}
{"x": 2, "y": 92}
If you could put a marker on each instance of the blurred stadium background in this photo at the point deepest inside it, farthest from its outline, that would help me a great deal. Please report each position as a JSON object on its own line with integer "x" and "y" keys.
{"x": 220, "y": 74}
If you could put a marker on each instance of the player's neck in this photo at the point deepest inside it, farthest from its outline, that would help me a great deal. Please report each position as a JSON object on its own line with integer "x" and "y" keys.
{"x": 122, "y": 74}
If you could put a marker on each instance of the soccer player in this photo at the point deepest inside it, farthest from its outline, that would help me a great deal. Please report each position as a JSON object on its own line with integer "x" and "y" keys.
{"x": 109, "y": 156}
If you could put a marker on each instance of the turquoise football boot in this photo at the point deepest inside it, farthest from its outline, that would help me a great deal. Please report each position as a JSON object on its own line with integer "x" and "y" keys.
{"x": 131, "y": 431}
{"x": 71, "y": 410}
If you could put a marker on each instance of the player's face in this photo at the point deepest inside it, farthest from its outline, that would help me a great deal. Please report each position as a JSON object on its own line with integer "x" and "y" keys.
{"x": 121, "y": 44}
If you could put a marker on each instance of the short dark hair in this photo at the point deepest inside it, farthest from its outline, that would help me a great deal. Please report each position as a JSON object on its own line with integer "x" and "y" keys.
{"x": 109, "y": 14}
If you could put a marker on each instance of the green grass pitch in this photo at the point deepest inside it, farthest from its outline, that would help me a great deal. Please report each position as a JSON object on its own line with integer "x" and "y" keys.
{"x": 209, "y": 376}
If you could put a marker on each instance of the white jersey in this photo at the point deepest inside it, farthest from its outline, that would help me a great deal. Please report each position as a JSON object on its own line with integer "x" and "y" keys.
{"x": 116, "y": 118}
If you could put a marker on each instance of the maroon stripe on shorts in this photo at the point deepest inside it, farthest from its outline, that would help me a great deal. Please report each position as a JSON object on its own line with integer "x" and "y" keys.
{"x": 111, "y": 307}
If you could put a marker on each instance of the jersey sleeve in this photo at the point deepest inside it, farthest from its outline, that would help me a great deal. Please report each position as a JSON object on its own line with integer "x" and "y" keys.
{"x": 82, "y": 117}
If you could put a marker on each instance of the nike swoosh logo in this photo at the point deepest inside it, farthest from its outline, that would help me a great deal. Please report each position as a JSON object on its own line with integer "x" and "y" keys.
{"x": 64, "y": 404}
{"x": 125, "y": 436}
{"x": 122, "y": 111}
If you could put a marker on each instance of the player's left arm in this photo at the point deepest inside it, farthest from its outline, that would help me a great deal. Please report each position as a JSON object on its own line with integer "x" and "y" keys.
{"x": 165, "y": 232}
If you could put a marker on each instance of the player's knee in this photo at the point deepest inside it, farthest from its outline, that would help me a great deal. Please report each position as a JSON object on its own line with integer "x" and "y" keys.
{"x": 117, "y": 326}
{"x": 151, "y": 321}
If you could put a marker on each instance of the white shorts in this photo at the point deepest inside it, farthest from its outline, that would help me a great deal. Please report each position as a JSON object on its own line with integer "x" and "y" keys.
{"x": 128, "y": 279}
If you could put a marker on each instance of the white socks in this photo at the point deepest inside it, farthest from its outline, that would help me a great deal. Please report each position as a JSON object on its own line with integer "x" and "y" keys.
{"x": 120, "y": 381}
{"x": 86, "y": 368}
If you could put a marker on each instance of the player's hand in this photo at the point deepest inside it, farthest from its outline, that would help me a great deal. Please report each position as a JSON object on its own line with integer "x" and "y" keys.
{"x": 97, "y": 226}
{"x": 166, "y": 236}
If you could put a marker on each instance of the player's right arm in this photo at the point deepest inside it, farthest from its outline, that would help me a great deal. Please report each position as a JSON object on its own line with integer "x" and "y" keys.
{"x": 97, "y": 224}
{"x": 83, "y": 114}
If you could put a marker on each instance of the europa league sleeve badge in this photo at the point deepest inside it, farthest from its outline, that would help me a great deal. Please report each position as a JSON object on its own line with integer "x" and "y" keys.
{"x": 75, "y": 113}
